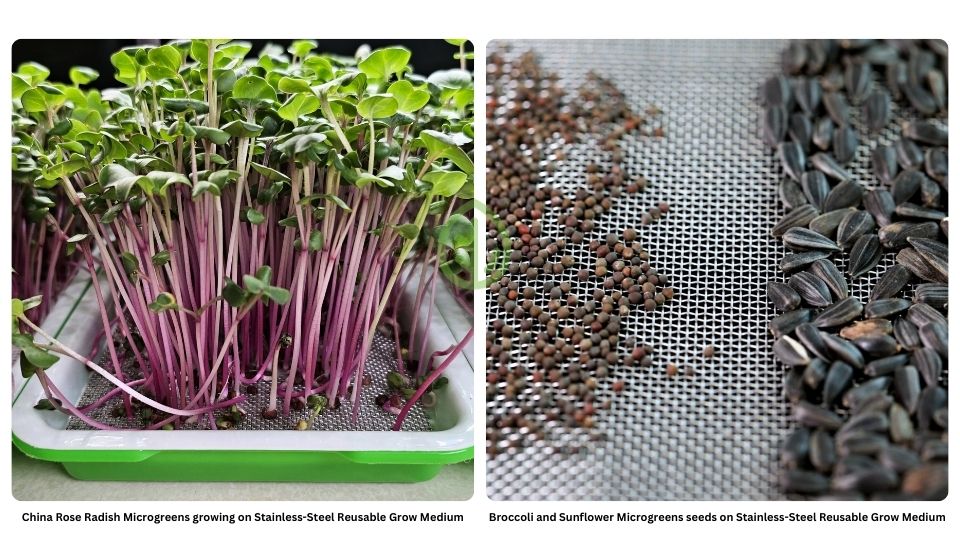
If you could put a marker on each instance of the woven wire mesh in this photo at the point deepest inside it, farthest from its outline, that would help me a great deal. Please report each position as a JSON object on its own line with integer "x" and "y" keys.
{"x": 380, "y": 361}
{"x": 715, "y": 434}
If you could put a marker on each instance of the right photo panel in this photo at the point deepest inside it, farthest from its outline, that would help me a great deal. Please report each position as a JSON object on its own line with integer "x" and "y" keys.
{"x": 719, "y": 270}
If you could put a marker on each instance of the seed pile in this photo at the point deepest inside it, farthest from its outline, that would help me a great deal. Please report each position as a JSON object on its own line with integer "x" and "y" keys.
{"x": 865, "y": 376}
{"x": 568, "y": 344}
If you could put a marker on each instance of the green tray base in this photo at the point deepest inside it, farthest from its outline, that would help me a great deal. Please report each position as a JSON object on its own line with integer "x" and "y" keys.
{"x": 248, "y": 466}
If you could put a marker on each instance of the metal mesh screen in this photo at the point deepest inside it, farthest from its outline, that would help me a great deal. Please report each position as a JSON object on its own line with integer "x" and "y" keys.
{"x": 381, "y": 360}
{"x": 715, "y": 434}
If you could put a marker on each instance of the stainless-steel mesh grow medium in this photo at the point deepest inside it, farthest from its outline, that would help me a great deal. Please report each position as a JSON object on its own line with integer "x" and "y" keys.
{"x": 713, "y": 435}
{"x": 336, "y": 449}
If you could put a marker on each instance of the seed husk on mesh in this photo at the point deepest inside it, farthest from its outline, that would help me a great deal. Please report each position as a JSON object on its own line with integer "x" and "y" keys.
{"x": 784, "y": 298}
{"x": 791, "y": 194}
{"x": 825, "y": 163}
{"x": 920, "y": 98}
{"x": 905, "y": 186}
{"x": 811, "y": 288}
{"x": 853, "y": 226}
{"x": 885, "y": 165}
{"x": 777, "y": 92}
{"x": 885, "y": 365}
{"x": 793, "y": 158}
{"x": 909, "y": 155}
{"x": 774, "y": 125}
{"x": 803, "y": 239}
{"x": 823, "y": 133}
{"x": 845, "y": 143}
{"x": 790, "y": 352}
{"x": 868, "y": 480}
{"x": 920, "y": 267}
{"x": 805, "y": 482}
{"x": 845, "y": 193}
{"x": 934, "y": 336}
{"x": 808, "y": 94}
{"x": 795, "y": 448}
{"x": 881, "y": 206}
{"x": 876, "y": 110}
{"x": 877, "y": 346}
{"x": 931, "y": 194}
{"x": 822, "y": 452}
{"x": 812, "y": 339}
{"x": 932, "y": 251}
{"x": 827, "y": 224}
{"x": 837, "y": 107}
{"x": 815, "y": 188}
{"x": 932, "y": 294}
{"x": 815, "y": 372}
{"x": 801, "y": 130}
{"x": 798, "y": 217}
{"x": 886, "y": 307}
{"x": 795, "y": 261}
{"x": 857, "y": 81}
{"x": 810, "y": 415}
{"x": 901, "y": 426}
{"x": 932, "y": 399}
{"x": 861, "y": 394}
{"x": 893, "y": 280}
{"x": 925, "y": 132}
{"x": 785, "y": 323}
{"x": 839, "y": 313}
{"x": 894, "y": 235}
{"x": 831, "y": 275}
{"x": 928, "y": 363}
{"x": 921, "y": 314}
{"x": 935, "y": 164}
{"x": 907, "y": 334}
{"x": 844, "y": 350}
{"x": 864, "y": 255}
{"x": 906, "y": 384}
{"x": 864, "y": 422}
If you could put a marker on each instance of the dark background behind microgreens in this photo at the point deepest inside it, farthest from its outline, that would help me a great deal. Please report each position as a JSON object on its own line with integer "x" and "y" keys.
{"x": 59, "y": 55}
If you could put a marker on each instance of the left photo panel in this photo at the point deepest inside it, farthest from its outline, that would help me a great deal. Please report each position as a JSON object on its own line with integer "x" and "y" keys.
{"x": 244, "y": 261}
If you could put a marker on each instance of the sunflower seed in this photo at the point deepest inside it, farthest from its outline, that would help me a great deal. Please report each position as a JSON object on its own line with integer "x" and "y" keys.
{"x": 893, "y": 280}
{"x": 828, "y": 272}
{"x": 921, "y": 314}
{"x": 793, "y": 390}
{"x": 885, "y": 307}
{"x": 915, "y": 211}
{"x": 932, "y": 399}
{"x": 815, "y": 372}
{"x": 901, "y": 427}
{"x": 907, "y": 334}
{"x": 867, "y": 480}
{"x": 877, "y": 346}
{"x": 817, "y": 56}
{"x": 909, "y": 155}
{"x": 876, "y": 401}
{"x": 865, "y": 421}
{"x": 930, "y": 193}
{"x": 920, "y": 267}
{"x": 808, "y": 93}
{"x": 801, "y": 130}
{"x": 932, "y": 251}
{"x": 776, "y": 92}
{"x": 823, "y": 133}
{"x": 815, "y": 187}
{"x": 932, "y": 294}
{"x": 894, "y": 235}
{"x": 876, "y": 111}
{"x": 905, "y": 186}
{"x": 925, "y": 132}
{"x": 861, "y": 443}
{"x": 810, "y": 415}
{"x": 867, "y": 327}
{"x": 821, "y": 452}
{"x": 864, "y": 255}
{"x": 787, "y": 322}
{"x": 812, "y": 339}
{"x": 828, "y": 223}
{"x": 838, "y": 378}
{"x": 791, "y": 195}
{"x": 794, "y": 57}
{"x": 832, "y": 80}
{"x": 929, "y": 365}
{"x": 793, "y": 159}
{"x": 884, "y": 366}
{"x": 798, "y": 217}
{"x": 802, "y": 239}
{"x": 784, "y": 298}
{"x": 885, "y": 165}
{"x": 853, "y": 226}
{"x": 896, "y": 76}
{"x": 795, "y": 261}
{"x": 774, "y": 125}
{"x": 845, "y": 143}
{"x": 858, "y": 395}
{"x": 928, "y": 482}
{"x": 857, "y": 81}
{"x": 837, "y": 107}
{"x": 795, "y": 448}
{"x": 938, "y": 89}
{"x": 805, "y": 482}
{"x": 825, "y": 163}
{"x": 898, "y": 459}
{"x": 879, "y": 203}
{"x": 843, "y": 350}
{"x": 920, "y": 98}
{"x": 853, "y": 463}
{"x": 934, "y": 335}
{"x": 906, "y": 384}
{"x": 936, "y": 164}
{"x": 845, "y": 193}
{"x": 811, "y": 288}
{"x": 790, "y": 352}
